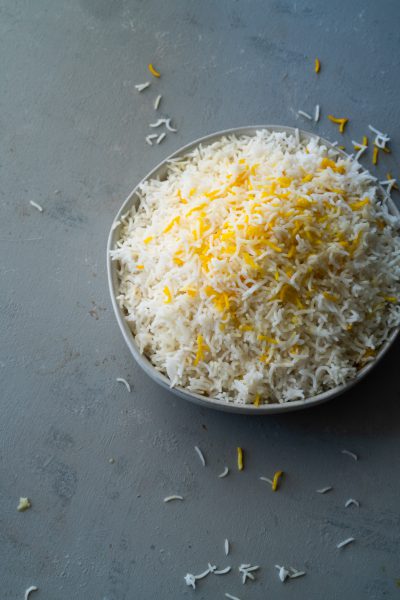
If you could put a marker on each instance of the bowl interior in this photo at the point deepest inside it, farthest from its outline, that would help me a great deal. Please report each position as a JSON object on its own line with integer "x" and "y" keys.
{"x": 160, "y": 172}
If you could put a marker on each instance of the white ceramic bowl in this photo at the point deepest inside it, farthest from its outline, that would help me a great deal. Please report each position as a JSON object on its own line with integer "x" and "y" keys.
{"x": 160, "y": 172}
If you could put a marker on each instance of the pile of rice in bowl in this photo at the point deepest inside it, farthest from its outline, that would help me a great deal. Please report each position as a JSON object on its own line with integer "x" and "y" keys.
{"x": 262, "y": 269}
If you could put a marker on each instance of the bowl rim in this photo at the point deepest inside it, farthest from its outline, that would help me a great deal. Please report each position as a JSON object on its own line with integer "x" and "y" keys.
{"x": 145, "y": 363}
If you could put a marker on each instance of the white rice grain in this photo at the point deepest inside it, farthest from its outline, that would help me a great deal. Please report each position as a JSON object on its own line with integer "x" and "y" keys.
{"x": 381, "y": 139}
{"x": 388, "y": 184}
{"x": 36, "y": 205}
{"x": 28, "y": 591}
{"x": 190, "y": 580}
{"x": 142, "y": 86}
{"x": 204, "y": 573}
{"x": 166, "y": 122}
{"x": 124, "y": 381}
{"x": 290, "y": 572}
{"x": 304, "y": 114}
{"x": 360, "y": 149}
{"x": 351, "y": 501}
{"x": 223, "y": 571}
{"x": 266, "y": 479}
{"x": 224, "y": 473}
{"x": 157, "y": 102}
{"x": 345, "y": 542}
{"x": 351, "y": 454}
{"x": 200, "y": 455}
{"x": 150, "y": 138}
{"x": 294, "y": 573}
{"x": 246, "y": 572}
{"x": 283, "y": 573}
{"x": 171, "y": 498}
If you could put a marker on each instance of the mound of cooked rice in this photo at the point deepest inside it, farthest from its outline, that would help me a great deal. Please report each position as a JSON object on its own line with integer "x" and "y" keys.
{"x": 260, "y": 270}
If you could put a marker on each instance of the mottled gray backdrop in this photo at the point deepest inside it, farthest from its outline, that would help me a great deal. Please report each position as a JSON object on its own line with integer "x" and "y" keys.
{"x": 72, "y": 131}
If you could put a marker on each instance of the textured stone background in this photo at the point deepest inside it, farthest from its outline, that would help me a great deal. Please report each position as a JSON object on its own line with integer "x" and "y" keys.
{"x": 72, "y": 137}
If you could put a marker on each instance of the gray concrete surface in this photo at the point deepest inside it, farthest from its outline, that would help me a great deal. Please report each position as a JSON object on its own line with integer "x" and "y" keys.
{"x": 72, "y": 136}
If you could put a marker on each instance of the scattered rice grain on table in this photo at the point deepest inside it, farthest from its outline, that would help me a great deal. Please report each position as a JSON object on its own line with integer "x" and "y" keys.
{"x": 267, "y": 480}
{"x": 200, "y": 455}
{"x": 351, "y": 501}
{"x": 36, "y": 205}
{"x": 173, "y": 497}
{"x": 277, "y": 258}
{"x": 157, "y": 102}
{"x": 166, "y": 122}
{"x": 224, "y": 571}
{"x": 226, "y": 547}
{"x": 29, "y": 590}
{"x": 352, "y": 455}
{"x": 302, "y": 113}
{"x": 247, "y": 572}
{"x": 142, "y": 86}
{"x": 346, "y": 542}
{"x": 149, "y": 138}
{"x": 124, "y": 382}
